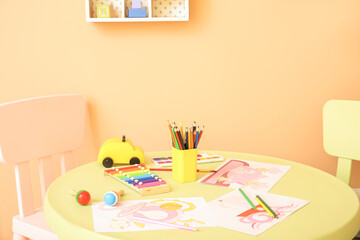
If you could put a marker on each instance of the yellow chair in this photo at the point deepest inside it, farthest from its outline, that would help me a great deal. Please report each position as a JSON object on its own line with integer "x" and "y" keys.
{"x": 341, "y": 133}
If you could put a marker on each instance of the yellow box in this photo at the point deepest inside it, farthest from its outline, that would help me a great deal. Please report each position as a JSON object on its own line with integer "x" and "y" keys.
{"x": 103, "y": 11}
{"x": 184, "y": 165}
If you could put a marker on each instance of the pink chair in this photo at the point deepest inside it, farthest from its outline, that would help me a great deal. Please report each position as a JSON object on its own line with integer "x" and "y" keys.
{"x": 40, "y": 128}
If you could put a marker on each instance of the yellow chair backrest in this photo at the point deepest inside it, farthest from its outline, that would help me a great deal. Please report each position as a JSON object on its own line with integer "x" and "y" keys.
{"x": 341, "y": 133}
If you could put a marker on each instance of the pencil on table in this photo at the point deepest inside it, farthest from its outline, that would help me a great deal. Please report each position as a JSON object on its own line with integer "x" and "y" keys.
{"x": 205, "y": 170}
{"x": 169, "y": 170}
{"x": 247, "y": 199}
{"x": 266, "y": 207}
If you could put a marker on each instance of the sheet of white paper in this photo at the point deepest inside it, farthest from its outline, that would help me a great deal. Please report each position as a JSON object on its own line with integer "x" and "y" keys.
{"x": 234, "y": 212}
{"x": 235, "y": 173}
{"x": 193, "y": 212}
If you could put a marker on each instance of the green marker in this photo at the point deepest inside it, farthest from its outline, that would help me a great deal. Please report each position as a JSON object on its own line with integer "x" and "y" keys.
{"x": 247, "y": 199}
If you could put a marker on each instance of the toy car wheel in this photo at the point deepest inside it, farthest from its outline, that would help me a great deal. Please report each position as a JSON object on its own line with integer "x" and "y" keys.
{"x": 107, "y": 162}
{"x": 134, "y": 160}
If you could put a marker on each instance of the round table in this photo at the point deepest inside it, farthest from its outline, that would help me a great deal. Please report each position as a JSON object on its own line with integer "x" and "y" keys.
{"x": 333, "y": 211}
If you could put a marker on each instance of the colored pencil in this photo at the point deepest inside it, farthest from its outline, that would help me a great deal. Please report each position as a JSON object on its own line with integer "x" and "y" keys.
{"x": 193, "y": 134}
{"x": 194, "y": 126}
{"x": 193, "y": 138}
{"x": 190, "y": 139}
{"x": 182, "y": 130}
{"x": 201, "y": 132}
{"x": 266, "y": 207}
{"x": 169, "y": 169}
{"x": 145, "y": 220}
{"x": 247, "y": 199}
{"x": 196, "y": 138}
{"x": 172, "y": 136}
{"x": 178, "y": 138}
{"x": 176, "y": 141}
{"x": 181, "y": 139}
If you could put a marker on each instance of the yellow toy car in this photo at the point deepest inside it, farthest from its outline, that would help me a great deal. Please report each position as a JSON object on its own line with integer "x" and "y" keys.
{"x": 116, "y": 150}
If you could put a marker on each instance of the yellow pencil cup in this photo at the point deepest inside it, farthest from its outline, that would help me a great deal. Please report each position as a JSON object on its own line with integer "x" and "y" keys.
{"x": 184, "y": 165}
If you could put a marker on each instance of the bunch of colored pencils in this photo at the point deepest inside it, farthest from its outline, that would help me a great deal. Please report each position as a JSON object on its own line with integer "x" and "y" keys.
{"x": 188, "y": 139}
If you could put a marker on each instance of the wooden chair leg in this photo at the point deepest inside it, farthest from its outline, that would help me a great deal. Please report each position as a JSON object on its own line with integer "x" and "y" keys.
{"x": 17, "y": 236}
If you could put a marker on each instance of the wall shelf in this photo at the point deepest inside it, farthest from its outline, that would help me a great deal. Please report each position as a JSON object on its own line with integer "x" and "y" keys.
{"x": 156, "y": 10}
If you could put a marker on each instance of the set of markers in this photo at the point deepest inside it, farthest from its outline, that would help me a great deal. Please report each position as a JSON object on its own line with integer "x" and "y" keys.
{"x": 188, "y": 139}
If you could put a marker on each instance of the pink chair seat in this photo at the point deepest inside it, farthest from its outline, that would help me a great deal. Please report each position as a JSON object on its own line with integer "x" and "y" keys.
{"x": 33, "y": 226}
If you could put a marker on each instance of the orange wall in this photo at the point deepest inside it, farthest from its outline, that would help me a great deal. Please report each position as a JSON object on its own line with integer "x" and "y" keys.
{"x": 255, "y": 73}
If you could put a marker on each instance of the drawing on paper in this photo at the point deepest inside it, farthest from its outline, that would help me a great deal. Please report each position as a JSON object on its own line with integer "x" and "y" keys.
{"x": 192, "y": 212}
{"x": 235, "y": 173}
{"x": 256, "y": 218}
{"x": 234, "y": 212}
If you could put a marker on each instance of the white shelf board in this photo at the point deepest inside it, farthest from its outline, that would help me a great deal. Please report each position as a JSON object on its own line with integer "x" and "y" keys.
{"x": 147, "y": 19}
{"x": 153, "y": 19}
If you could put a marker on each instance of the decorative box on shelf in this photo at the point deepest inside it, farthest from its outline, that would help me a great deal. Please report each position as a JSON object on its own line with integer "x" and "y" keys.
{"x": 136, "y": 10}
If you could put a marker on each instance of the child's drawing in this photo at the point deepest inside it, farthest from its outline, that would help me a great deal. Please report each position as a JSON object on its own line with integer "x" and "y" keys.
{"x": 234, "y": 212}
{"x": 192, "y": 212}
{"x": 236, "y": 173}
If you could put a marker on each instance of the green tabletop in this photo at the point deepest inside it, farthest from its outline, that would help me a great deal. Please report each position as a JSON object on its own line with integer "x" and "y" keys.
{"x": 333, "y": 211}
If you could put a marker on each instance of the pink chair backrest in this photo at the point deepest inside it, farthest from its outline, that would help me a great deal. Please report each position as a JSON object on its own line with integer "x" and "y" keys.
{"x": 37, "y": 128}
